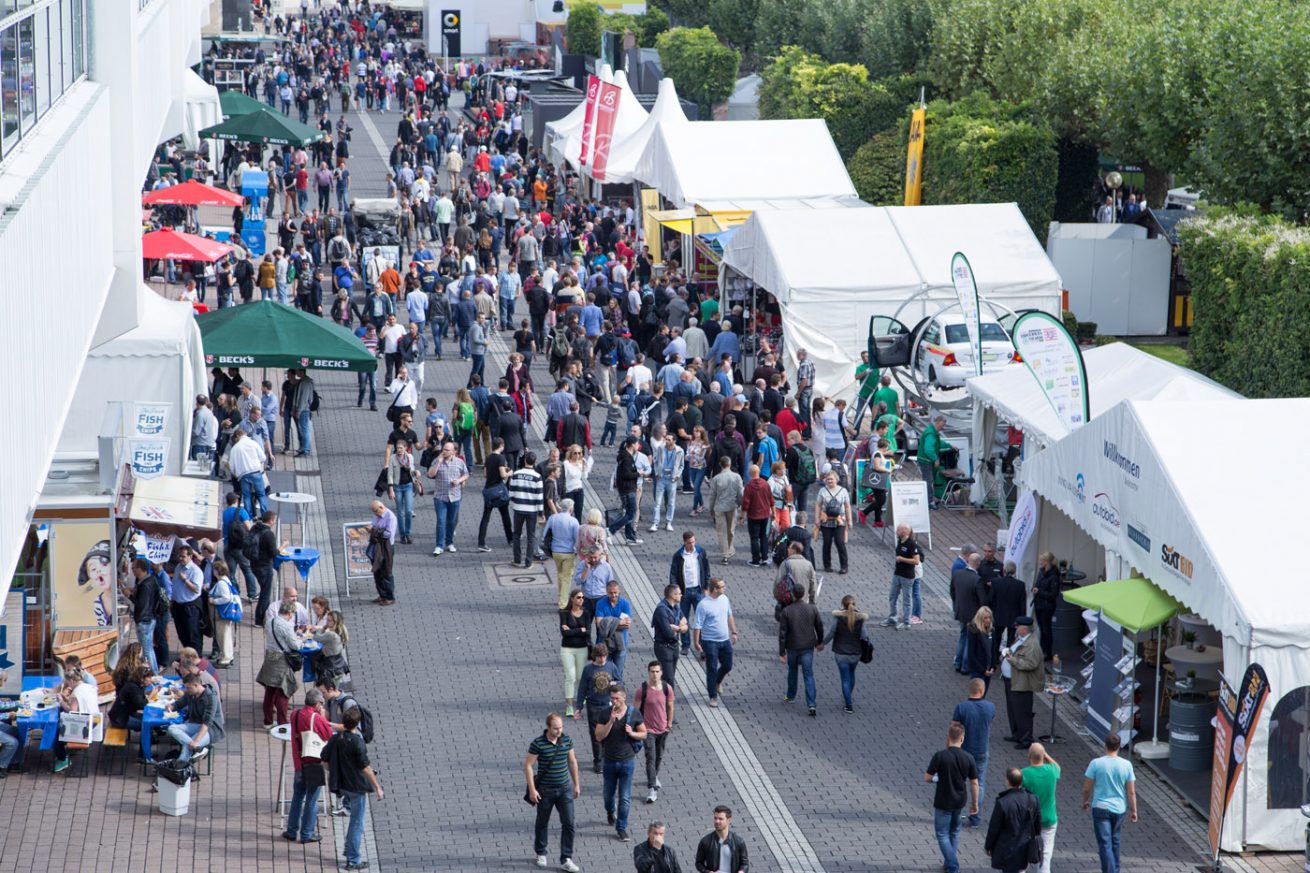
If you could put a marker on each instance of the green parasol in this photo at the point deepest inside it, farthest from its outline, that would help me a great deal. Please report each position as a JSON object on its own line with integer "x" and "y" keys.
{"x": 235, "y": 103}
{"x": 264, "y": 126}
{"x": 271, "y": 334}
{"x": 1135, "y": 604}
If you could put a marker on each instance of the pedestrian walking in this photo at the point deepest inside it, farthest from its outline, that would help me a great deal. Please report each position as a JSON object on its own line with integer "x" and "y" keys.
{"x": 448, "y": 473}
{"x": 849, "y": 643}
{"x": 714, "y": 632}
{"x": 966, "y": 600}
{"x": 668, "y": 626}
{"x": 666, "y": 463}
{"x": 1041, "y": 777}
{"x": 403, "y": 480}
{"x": 613, "y": 615}
{"x": 690, "y": 571}
{"x": 1025, "y": 673}
{"x": 559, "y": 540}
{"x": 956, "y": 794}
{"x": 724, "y": 498}
{"x": 655, "y": 701}
{"x": 551, "y": 771}
{"x": 1110, "y": 792}
{"x": 310, "y": 732}
{"x": 261, "y": 557}
{"x": 621, "y": 736}
{"x": 800, "y": 633}
{"x": 976, "y": 715}
{"x": 575, "y": 634}
{"x": 721, "y": 850}
{"x": 653, "y": 856}
{"x": 495, "y": 494}
{"x": 832, "y": 519}
{"x": 978, "y": 647}
{"x": 905, "y": 577}
{"x": 526, "y": 503}
{"x": 626, "y": 479}
{"x": 757, "y": 508}
{"x": 1013, "y": 833}
{"x": 354, "y": 779}
{"x": 381, "y": 546}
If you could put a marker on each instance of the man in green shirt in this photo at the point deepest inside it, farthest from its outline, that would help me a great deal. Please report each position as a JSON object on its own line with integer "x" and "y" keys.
{"x": 709, "y": 308}
{"x": 929, "y": 455}
{"x": 866, "y": 378}
{"x": 1040, "y": 777}
{"x": 886, "y": 394}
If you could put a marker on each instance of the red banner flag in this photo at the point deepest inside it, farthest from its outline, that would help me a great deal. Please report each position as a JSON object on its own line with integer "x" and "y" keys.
{"x": 607, "y": 108}
{"x": 593, "y": 90}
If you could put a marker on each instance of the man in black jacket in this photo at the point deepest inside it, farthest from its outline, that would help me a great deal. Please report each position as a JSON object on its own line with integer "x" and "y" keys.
{"x": 965, "y": 596}
{"x": 1016, "y": 821}
{"x": 1009, "y": 601}
{"x": 710, "y": 851}
{"x": 353, "y": 778}
{"x": 145, "y": 607}
{"x": 262, "y": 549}
{"x": 693, "y": 590}
{"x": 800, "y": 632}
{"x": 653, "y": 856}
{"x": 509, "y": 427}
{"x": 625, "y": 480}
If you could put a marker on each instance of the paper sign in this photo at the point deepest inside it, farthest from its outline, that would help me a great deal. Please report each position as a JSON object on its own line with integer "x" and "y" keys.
{"x": 354, "y": 538}
{"x": 159, "y": 548}
{"x": 909, "y": 501}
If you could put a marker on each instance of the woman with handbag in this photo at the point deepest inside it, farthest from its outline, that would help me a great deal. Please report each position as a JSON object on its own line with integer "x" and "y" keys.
{"x": 310, "y": 732}
{"x": 850, "y": 645}
{"x": 227, "y": 612}
{"x": 282, "y": 663}
{"x": 330, "y": 662}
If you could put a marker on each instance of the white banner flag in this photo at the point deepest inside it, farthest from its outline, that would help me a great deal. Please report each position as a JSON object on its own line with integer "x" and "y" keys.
{"x": 1056, "y": 362}
{"x": 1023, "y": 528}
{"x": 967, "y": 291}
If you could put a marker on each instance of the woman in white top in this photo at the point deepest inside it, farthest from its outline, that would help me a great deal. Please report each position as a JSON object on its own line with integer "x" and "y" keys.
{"x": 577, "y": 467}
{"x": 74, "y": 695}
{"x": 221, "y": 594}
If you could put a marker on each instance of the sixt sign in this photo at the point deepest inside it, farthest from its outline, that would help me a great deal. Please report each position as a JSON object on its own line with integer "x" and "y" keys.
{"x": 1176, "y": 561}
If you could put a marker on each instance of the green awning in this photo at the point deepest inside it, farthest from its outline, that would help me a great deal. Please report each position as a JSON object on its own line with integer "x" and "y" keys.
{"x": 264, "y": 126}
{"x": 271, "y": 334}
{"x": 1135, "y": 603}
{"x": 234, "y": 103}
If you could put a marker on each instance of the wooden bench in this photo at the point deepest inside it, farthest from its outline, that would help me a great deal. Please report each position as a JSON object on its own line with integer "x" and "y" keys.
{"x": 117, "y": 738}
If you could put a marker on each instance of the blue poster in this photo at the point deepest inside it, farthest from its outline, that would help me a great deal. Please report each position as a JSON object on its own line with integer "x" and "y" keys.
{"x": 1102, "y": 700}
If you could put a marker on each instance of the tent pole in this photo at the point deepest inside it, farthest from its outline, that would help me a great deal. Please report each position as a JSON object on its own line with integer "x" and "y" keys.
{"x": 1155, "y": 750}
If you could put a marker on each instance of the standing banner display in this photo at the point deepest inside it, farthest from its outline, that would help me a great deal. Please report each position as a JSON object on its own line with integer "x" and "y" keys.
{"x": 909, "y": 505}
{"x": 354, "y": 544}
{"x": 1235, "y": 721}
{"x": 1108, "y": 650}
{"x": 1056, "y": 362}
{"x": 1023, "y": 527}
{"x": 607, "y": 108}
{"x": 83, "y": 576}
{"x": 966, "y": 290}
{"x": 589, "y": 117}
{"x": 914, "y": 159}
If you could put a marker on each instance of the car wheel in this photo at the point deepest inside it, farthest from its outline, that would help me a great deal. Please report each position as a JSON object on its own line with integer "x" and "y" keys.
{"x": 932, "y": 375}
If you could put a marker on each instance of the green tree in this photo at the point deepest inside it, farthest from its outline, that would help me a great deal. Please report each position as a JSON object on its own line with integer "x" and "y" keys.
{"x": 582, "y": 31}
{"x": 895, "y": 35}
{"x": 704, "y": 69}
{"x": 734, "y": 22}
{"x": 684, "y": 13}
{"x": 878, "y": 168}
{"x": 650, "y": 24}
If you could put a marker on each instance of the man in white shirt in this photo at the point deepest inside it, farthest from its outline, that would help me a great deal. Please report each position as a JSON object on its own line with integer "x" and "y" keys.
{"x": 406, "y": 392}
{"x": 389, "y": 338}
{"x": 247, "y": 460}
{"x": 640, "y": 375}
{"x": 714, "y": 632}
{"x": 204, "y": 429}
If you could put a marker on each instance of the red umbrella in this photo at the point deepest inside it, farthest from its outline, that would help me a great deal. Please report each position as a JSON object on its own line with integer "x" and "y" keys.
{"x": 171, "y": 244}
{"x": 192, "y": 193}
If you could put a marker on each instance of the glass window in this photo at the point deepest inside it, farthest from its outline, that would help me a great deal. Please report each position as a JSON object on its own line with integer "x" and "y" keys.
{"x": 41, "y": 32}
{"x": 26, "y": 76}
{"x": 65, "y": 44}
{"x": 1289, "y": 751}
{"x": 8, "y": 88}
{"x": 79, "y": 39}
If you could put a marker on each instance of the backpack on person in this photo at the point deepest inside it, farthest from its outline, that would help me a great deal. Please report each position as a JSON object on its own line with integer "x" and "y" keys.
{"x": 162, "y": 603}
{"x": 786, "y": 590}
{"x": 643, "y": 694}
{"x": 807, "y": 471}
{"x": 627, "y": 353}
{"x": 365, "y": 717}
{"x": 843, "y": 478}
{"x": 559, "y": 343}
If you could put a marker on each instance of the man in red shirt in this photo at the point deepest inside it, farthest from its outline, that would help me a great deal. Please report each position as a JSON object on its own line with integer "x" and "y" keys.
{"x": 757, "y": 506}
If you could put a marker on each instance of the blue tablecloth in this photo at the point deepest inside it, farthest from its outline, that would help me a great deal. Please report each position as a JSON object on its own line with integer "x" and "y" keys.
{"x": 303, "y": 557}
{"x": 309, "y": 648}
{"x": 44, "y": 720}
{"x": 153, "y": 717}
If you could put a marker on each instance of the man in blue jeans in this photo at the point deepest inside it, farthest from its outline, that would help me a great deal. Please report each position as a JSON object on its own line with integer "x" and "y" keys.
{"x": 956, "y": 775}
{"x": 714, "y": 632}
{"x": 201, "y": 725}
{"x": 689, "y": 570}
{"x": 352, "y": 778}
{"x": 800, "y": 632}
{"x": 620, "y": 739}
{"x": 1110, "y": 791}
{"x": 975, "y": 715}
{"x": 625, "y": 480}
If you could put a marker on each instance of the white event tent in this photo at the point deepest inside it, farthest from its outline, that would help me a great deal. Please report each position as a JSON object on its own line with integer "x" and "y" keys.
{"x": 725, "y": 165}
{"x": 1115, "y": 372}
{"x": 564, "y": 137}
{"x": 625, "y": 152}
{"x": 831, "y": 270}
{"x": 1162, "y": 487}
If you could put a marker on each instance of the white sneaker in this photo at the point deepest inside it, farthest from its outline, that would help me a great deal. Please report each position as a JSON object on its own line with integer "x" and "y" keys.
{"x": 543, "y": 861}
{"x": 652, "y": 796}
{"x": 437, "y": 551}
{"x": 669, "y": 526}
{"x": 451, "y": 548}
{"x": 569, "y": 867}
{"x": 654, "y": 527}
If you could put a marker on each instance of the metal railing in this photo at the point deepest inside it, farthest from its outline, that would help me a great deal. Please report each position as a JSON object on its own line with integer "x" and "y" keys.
{"x": 42, "y": 54}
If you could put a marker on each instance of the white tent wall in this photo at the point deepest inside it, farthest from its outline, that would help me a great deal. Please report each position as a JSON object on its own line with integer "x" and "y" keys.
{"x": 160, "y": 360}
{"x": 1139, "y": 481}
{"x": 558, "y": 132}
{"x": 629, "y": 118}
{"x": 626, "y": 151}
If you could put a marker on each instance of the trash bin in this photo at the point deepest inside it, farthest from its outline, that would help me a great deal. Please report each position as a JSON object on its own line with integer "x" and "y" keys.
{"x": 173, "y": 779}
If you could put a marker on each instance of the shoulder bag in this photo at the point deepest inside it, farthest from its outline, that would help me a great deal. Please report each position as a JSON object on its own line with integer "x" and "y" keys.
{"x": 295, "y": 660}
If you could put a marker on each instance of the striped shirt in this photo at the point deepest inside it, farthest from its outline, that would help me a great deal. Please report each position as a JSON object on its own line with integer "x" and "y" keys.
{"x": 552, "y": 760}
{"x": 525, "y": 491}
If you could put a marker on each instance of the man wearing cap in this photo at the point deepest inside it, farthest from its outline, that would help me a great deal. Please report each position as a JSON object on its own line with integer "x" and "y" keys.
{"x": 1023, "y": 669}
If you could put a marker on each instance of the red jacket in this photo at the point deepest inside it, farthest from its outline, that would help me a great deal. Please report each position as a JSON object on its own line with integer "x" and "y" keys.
{"x": 756, "y": 500}
{"x": 786, "y": 422}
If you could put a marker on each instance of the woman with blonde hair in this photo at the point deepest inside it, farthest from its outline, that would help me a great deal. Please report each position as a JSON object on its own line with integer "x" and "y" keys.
{"x": 592, "y": 536}
{"x": 698, "y": 455}
{"x": 576, "y": 468}
{"x": 978, "y": 647}
{"x": 848, "y": 641}
{"x": 1046, "y": 596}
{"x": 331, "y": 661}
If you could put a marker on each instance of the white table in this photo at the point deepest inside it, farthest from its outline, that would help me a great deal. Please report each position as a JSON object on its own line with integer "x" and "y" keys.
{"x": 1205, "y": 664}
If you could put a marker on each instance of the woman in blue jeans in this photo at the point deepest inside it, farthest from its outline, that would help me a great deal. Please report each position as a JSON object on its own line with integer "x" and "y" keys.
{"x": 302, "y": 819}
{"x": 403, "y": 480}
{"x": 698, "y": 452}
{"x": 847, "y": 637}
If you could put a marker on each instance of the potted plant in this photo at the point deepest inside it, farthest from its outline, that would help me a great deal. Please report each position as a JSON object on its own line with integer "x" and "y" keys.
{"x": 1190, "y": 639}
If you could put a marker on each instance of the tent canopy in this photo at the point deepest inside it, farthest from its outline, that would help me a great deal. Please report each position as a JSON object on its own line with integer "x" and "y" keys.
{"x": 827, "y": 301}
{"x": 1115, "y": 372}
{"x": 270, "y": 334}
{"x": 192, "y": 193}
{"x": 628, "y": 119}
{"x": 201, "y": 105}
{"x": 178, "y": 246}
{"x": 626, "y": 151}
{"x": 264, "y": 126}
{"x": 1136, "y": 603}
{"x": 701, "y": 163}
{"x": 235, "y": 103}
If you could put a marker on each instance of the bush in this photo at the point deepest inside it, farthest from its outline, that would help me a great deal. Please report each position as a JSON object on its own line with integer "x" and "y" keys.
{"x": 704, "y": 69}
{"x": 582, "y": 31}
{"x": 650, "y": 24}
{"x": 1104, "y": 340}
{"x": 979, "y": 151}
{"x": 1086, "y": 331}
{"x": 878, "y": 168}
{"x": 1070, "y": 322}
{"x": 1251, "y": 327}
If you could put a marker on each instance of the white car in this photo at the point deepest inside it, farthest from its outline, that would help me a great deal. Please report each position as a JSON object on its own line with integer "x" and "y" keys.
{"x": 944, "y": 358}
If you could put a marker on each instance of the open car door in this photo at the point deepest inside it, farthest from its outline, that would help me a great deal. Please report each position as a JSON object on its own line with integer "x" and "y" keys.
{"x": 889, "y": 342}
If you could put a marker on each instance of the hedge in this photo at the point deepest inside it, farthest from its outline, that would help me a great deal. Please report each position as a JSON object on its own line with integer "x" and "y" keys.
{"x": 878, "y": 168}
{"x": 1251, "y": 327}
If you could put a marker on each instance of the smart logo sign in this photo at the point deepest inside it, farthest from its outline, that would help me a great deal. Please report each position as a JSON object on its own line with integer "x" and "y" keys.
{"x": 1176, "y": 561}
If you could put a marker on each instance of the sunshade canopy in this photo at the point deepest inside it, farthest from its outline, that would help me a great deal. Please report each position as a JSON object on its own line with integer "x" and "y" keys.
{"x": 177, "y": 246}
{"x": 264, "y": 126}
{"x": 1136, "y": 604}
{"x": 192, "y": 193}
{"x": 271, "y": 334}
{"x": 236, "y": 103}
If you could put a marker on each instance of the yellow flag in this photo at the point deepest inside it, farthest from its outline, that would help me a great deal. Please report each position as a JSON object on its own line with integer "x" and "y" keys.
{"x": 914, "y": 160}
